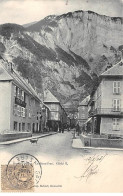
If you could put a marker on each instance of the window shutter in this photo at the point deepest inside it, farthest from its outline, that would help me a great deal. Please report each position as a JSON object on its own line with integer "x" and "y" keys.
{"x": 114, "y": 104}
{"x": 118, "y": 104}
{"x": 113, "y": 121}
{"x": 22, "y": 95}
{"x": 114, "y": 87}
{"x": 118, "y": 87}
{"x": 23, "y": 112}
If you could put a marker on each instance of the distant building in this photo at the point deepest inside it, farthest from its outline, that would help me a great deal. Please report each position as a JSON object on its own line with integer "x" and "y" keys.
{"x": 45, "y": 117}
{"x": 83, "y": 111}
{"x": 20, "y": 112}
{"x": 57, "y": 115}
{"x": 72, "y": 112}
{"x": 106, "y": 103}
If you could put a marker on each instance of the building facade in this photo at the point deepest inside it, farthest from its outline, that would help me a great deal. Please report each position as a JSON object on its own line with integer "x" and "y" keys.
{"x": 106, "y": 103}
{"x": 20, "y": 109}
{"x": 83, "y": 111}
{"x": 57, "y": 116}
{"x": 45, "y": 117}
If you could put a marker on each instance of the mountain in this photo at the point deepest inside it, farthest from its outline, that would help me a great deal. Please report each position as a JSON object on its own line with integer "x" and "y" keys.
{"x": 65, "y": 53}
{"x": 29, "y": 24}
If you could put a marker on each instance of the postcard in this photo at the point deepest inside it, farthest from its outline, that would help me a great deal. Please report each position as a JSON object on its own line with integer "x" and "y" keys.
{"x": 61, "y": 96}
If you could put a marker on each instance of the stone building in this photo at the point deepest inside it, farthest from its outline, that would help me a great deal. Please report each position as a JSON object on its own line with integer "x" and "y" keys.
{"x": 83, "y": 111}
{"x": 58, "y": 116}
{"x": 20, "y": 109}
{"x": 106, "y": 103}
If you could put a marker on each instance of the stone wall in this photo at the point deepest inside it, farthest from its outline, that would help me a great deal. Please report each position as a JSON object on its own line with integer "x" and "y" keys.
{"x": 13, "y": 136}
{"x": 101, "y": 142}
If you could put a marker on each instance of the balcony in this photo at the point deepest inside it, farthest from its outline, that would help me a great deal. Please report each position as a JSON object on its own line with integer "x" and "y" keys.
{"x": 106, "y": 111}
{"x": 20, "y": 102}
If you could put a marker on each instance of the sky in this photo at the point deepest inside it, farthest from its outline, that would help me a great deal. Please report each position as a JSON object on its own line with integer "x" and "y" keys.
{"x": 26, "y": 11}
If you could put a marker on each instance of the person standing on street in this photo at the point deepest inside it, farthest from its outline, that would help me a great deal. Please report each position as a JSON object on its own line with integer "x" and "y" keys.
{"x": 78, "y": 129}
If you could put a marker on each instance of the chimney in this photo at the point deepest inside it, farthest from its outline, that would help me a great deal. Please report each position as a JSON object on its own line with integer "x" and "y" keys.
{"x": 28, "y": 79}
{"x": 10, "y": 67}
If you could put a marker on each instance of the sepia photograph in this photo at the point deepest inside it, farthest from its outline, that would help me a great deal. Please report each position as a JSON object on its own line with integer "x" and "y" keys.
{"x": 61, "y": 96}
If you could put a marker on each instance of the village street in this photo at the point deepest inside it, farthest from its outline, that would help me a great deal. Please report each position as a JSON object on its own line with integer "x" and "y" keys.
{"x": 57, "y": 146}
{"x": 59, "y": 160}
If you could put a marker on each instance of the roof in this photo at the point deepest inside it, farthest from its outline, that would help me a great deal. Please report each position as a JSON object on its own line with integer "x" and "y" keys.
{"x": 85, "y": 101}
{"x": 116, "y": 70}
{"x": 49, "y": 97}
{"x": 4, "y": 74}
{"x": 14, "y": 76}
{"x": 46, "y": 106}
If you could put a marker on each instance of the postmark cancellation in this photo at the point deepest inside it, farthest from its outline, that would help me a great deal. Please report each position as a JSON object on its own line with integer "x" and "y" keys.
{"x": 22, "y": 173}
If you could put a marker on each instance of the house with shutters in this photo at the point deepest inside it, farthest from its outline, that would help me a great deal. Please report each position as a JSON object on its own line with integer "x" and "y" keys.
{"x": 83, "y": 111}
{"x": 106, "y": 103}
{"x": 58, "y": 115}
{"x": 20, "y": 111}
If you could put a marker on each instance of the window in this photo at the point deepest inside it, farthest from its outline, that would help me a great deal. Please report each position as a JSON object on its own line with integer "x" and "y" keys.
{"x": 22, "y": 97}
{"x": 15, "y": 90}
{"x": 29, "y": 113}
{"x": 15, "y": 126}
{"x": 29, "y": 126}
{"x": 53, "y": 107}
{"x": 33, "y": 127}
{"x": 54, "y": 116}
{"x": 15, "y": 112}
{"x": 37, "y": 127}
{"x": 116, "y": 104}
{"x": 116, "y": 124}
{"x": 116, "y": 87}
{"x": 115, "y": 121}
{"x": 18, "y": 92}
{"x": 23, "y": 112}
{"x": 19, "y": 126}
{"x": 18, "y": 110}
{"x": 23, "y": 126}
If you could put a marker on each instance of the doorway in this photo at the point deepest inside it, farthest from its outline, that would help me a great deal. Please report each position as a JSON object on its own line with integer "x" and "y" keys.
{"x": 19, "y": 126}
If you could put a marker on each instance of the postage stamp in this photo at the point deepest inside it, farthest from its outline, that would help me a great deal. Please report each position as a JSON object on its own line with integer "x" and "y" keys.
{"x": 23, "y": 172}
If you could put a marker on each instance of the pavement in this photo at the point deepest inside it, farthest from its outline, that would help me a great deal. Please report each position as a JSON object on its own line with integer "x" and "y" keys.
{"x": 35, "y": 136}
{"x": 56, "y": 146}
{"x": 77, "y": 143}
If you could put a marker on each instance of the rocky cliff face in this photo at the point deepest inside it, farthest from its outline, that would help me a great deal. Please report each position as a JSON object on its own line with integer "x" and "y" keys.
{"x": 66, "y": 53}
{"x": 93, "y": 37}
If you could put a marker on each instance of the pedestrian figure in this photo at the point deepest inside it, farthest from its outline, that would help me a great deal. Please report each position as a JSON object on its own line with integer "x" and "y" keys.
{"x": 62, "y": 128}
{"x": 78, "y": 129}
